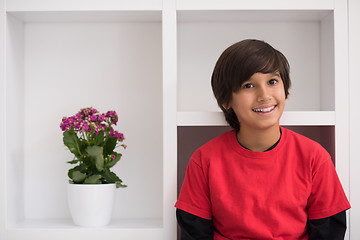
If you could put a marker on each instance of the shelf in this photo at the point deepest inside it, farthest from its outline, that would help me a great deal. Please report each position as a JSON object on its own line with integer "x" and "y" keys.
{"x": 65, "y": 229}
{"x": 289, "y": 118}
{"x": 249, "y": 5}
{"x": 201, "y": 119}
{"x": 251, "y": 15}
{"x": 87, "y": 16}
{"x": 309, "y": 118}
{"x": 80, "y": 5}
{"x": 67, "y": 224}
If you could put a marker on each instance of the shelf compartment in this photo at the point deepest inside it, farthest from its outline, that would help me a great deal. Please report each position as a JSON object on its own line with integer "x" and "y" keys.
{"x": 289, "y": 118}
{"x": 54, "y": 68}
{"x": 204, "y": 35}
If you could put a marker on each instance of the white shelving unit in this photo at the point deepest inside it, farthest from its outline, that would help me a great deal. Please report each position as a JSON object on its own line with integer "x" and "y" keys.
{"x": 151, "y": 61}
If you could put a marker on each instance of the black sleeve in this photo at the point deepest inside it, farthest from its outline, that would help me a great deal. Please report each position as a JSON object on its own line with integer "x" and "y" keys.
{"x": 197, "y": 228}
{"x": 330, "y": 228}
{"x": 194, "y": 227}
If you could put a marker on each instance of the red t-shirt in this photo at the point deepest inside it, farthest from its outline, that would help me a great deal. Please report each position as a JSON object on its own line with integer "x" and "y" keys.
{"x": 261, "y": 195}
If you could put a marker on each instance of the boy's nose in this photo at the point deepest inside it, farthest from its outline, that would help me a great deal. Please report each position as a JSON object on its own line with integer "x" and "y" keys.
{"x": 263, "y": 94}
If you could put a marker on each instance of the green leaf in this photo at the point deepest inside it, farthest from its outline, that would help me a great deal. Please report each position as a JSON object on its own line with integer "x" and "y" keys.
{"x": 114, "y": 161}
{"x": 71, "y": 140}
{"x": 99, "y": 139}
{"x": 73, "y": 161}
{"x": 96, "y": 153}
{"x": 81, "y": 168}
{"x": 119, "y": 185}
{"x": 111, "y": 177}
{"x": 109, "y": 145}
{"x": 94, "y": 179}
{"x": 94, "y": 150}
{"x": 78, "y": 177}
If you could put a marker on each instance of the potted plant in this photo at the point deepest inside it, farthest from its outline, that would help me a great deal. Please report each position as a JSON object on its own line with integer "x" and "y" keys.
{"x": 90, "y": 136}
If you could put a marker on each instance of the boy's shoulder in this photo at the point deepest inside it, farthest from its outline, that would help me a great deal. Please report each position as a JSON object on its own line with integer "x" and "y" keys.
{"x": 213, "y": 148}
{"x": 222, "y": 139}
{"x": 294, "y": 136}
{"x": 303, "y": 143}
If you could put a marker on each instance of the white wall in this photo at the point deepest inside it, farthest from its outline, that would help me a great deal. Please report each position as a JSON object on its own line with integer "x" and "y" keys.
{"x": 354, "y": 63}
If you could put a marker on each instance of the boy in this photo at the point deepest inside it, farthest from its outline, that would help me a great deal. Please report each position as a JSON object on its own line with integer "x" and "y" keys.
{"x": 259, "y": 181}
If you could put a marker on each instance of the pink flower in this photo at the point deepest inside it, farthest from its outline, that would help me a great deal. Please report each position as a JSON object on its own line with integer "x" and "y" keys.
{"x": 109, "y": 113}
{"x": 102, "y": 126}
{"x": 85, "y": 127}
{"x": 66, "y": 123}
{"x": 89, "y": 120}
{"x": 94, "y": 111}
{"x": 117, "y": 134}
{"x": 77, "y": 125}
{"x": 78, "y": 116}
{"x": 86, "y": 111}
{"x": 120, "y": 137}
{"x": 63, "y": 126}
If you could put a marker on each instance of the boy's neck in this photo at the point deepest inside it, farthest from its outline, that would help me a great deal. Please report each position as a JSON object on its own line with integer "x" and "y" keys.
{"x": 258, "y": 140}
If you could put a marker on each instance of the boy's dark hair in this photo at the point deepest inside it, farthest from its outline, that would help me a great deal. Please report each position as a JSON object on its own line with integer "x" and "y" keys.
{"x": 238, "y": 63}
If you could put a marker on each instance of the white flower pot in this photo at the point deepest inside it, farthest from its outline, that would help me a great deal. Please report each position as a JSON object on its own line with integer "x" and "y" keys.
{"x": 91, "y": 205}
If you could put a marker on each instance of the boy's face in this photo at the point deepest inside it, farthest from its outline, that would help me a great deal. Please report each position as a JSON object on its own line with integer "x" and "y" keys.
{"x": 260, "y": 101}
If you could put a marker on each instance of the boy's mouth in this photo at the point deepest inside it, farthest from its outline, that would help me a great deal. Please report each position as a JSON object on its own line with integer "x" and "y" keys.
{"x": 264, "y": 109}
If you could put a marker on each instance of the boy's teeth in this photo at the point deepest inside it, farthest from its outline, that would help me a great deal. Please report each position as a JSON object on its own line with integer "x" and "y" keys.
{"x": 264, "y": 109}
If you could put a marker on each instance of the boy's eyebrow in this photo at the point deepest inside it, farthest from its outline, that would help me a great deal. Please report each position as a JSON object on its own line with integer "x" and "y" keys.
{"x": 275, "y": 74}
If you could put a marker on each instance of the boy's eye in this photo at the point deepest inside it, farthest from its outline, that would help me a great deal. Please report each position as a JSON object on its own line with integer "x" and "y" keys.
{"x": 248, "y": 85}
{"x": 273, "y": 81}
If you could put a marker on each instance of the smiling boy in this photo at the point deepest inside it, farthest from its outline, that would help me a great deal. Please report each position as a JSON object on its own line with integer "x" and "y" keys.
{"x": 259, "y": 181}
{"x": 258, "y": 105}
